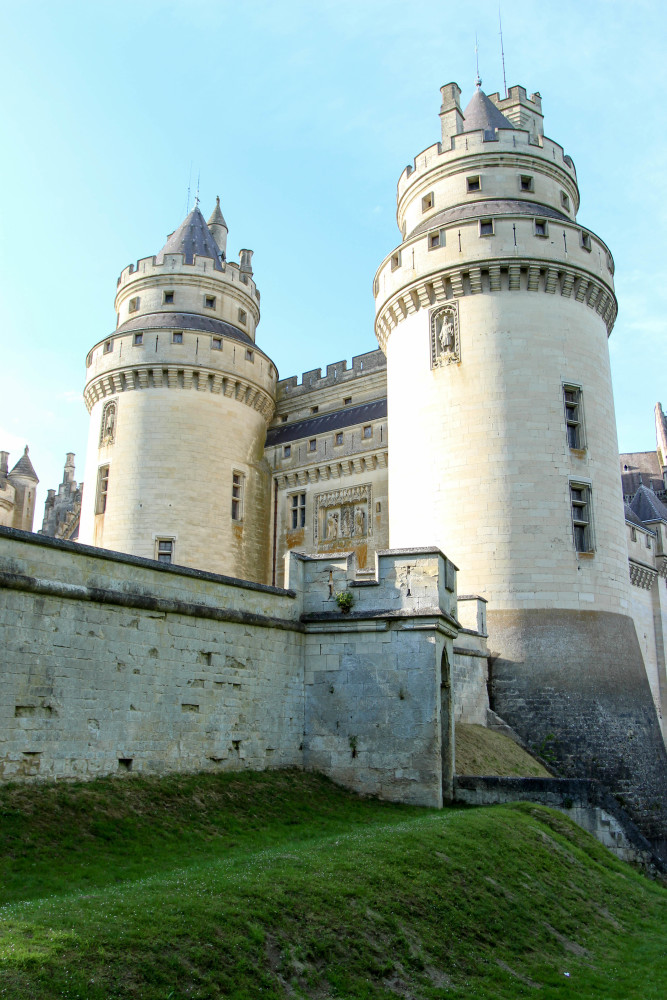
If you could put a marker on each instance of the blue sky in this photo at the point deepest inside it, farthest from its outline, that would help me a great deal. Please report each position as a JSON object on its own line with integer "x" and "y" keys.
{"x": 301, "y": 116}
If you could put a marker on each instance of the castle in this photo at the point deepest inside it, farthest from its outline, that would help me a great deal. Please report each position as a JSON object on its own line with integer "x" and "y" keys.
{"x": 483, "y": 428}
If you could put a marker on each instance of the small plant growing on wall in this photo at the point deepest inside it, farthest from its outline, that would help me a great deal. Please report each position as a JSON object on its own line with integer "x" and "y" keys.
{"x": 353, "y": 745}
{"x": 344, "y": 600}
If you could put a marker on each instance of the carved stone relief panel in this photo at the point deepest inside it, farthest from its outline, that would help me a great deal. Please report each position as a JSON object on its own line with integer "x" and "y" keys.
{"x": 445, "y": 340}
{"x": 108, "y": 423}
{"x": 341, "y": 516}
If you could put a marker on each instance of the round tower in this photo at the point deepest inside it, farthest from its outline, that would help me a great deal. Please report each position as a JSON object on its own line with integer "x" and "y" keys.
{"x": 179, "y": 399}
{"x": 494, "y": 313}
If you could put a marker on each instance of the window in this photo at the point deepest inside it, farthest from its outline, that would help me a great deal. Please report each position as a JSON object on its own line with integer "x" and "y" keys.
{"x": 177, "y": 337}
{"x": 216, "y": 344}
{"x": 633, "y": 534}
{"x": 486, "y": 227}
{"x": 314, "y": 409}
{"x": 573, "y": 402}
{"x": 347, "y": 400}
{"x": 368, "y": 431}
{"x": 168, "y": 298}
{"x": 102, "y": 489}
{"x": 648, "y": 541}
{"x": 474, "y": 183}
{"x": 298, "y": 511}
{"x": 138, "y": 339}
{"x": 436, "y": 239}
{"x": 312, "y": 444}
{"x": 284, "y": 417}
{"x": 427, "y": 202}
{"x": 526, "y": 182}
{"x": 338, "y": 438}
{"x": 134, "y": 304}
{"x": 237, "y": 495}
{"x": 580, "y": 502}
{"x": 108, "y": 346}
{"x": 243, "y": 316}
{"x": 378, "y": 507}
{"x": 209, "y": 301}
{"x": 586, "y": 241}
{"x": 540, "y": 227}
{"x": 396, "y": 261}
{"x": 164, "y": 550}
{"x": 287, "y": 451}
{"x": 565, "y": 201}
{"x": 249, "y": 355}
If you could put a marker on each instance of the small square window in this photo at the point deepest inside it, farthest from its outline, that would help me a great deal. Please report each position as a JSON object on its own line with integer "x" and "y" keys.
{"x": 586, "y": 241}
{"x": 338, "y": 438}
{"x": 284, "y": 417}
{"x": 209, "y": 301}
{"x": 314, "y": 409}
{"x": 243, "y": 316}
{"x": 486, "y": 227}
{"x": 436, "y": 239}
{"x": 565, "y": 201}
{"x": 108, "y": 346}
{"x": 396, "y": 261}
{"x": 249, "y": 355}
{"x": 177, "y": 337}
{"x": 427, "y": 202}
{"x": 168, "y": 298}
{"x": 133, "y": 305}
{"x": 474, "y": 184}
{"x": 138, "y": 339}
{"x": 347, "y": 400}
{"x": 216, "y": 343}
{"x": 540, "y": 227}
{"x": 238, "y": 488}
{"x": 287, "y": 451}
{"x": 164, "y": 550}
{"x": 526, "y": 182}
{"x": 312, "y": 444}
{"x": 368, "y": 431}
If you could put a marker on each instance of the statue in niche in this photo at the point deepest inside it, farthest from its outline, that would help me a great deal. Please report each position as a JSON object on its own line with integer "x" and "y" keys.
{"x": 444, "y": 337}
{"x": 108, "y": 428}
{"x": 446, "y": 334}
{"x": 332, "y": 527}
{"x": 359, "y": 521}
{"x": 345, "y": 522}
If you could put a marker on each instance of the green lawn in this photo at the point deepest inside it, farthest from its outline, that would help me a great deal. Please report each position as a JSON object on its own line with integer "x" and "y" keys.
{"x": 282, "y": 885}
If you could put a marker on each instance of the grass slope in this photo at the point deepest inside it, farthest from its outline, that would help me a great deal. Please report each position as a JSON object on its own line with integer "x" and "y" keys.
{"x": 483, "y": 751}
{"x": 282, "y": 885}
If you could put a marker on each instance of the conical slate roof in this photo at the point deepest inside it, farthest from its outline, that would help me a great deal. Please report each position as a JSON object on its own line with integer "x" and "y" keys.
{"x": 192, "y": 237}
{"x": 647, "y": 506}
{"x": 217, "y": 218}
{"x": 24, "y": 467}
{"x": 482, "y": 113}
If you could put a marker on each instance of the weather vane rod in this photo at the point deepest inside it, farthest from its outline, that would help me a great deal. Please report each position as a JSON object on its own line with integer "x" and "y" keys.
{"x": 502, "y": 51}
{"x": 478, "y": 81}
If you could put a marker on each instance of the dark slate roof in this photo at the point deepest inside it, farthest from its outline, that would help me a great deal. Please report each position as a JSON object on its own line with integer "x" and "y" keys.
{"x": 192, "y": 237}
{"x": 641, "y": 468}
{"x": 647, "y": 506}
{"x": 632, "y": 517}
{"x": 333, "y": 421}
{"x": 24, "y": 467}
{"x": 489, "y": 207}
{"x": 184, "y": 321}
{"x": 482, "y": 113}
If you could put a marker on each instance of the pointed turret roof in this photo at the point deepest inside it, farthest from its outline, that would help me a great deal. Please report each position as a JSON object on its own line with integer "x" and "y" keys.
{"x": 192, "y": 237}
{"x": 647, "y": 506}
{"x": 482, "y": 113}
{"x": 217, "y": 218}
{"x": 24, "y": 467}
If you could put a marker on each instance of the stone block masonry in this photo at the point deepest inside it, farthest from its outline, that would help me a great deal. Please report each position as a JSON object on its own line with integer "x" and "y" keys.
{"x": 112, "y": 663}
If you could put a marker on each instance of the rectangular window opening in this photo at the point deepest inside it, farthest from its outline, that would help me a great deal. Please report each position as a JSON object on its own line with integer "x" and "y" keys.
{"x": 574, "y": 423}
{"x": 168, "y": 298}
{"x": 347, "y": 400}
{"x": 298, "y": 511}
{"x": 580, "y": 502}
{"x": 312, "y": 444}
{"x": 314, "y": 409}
{"x": 138, "y": 339}
{"x": 368, "y": 431}
{"x": 486, "y": 227}
{"x": 102, "y": 489}
{"x": 396, "y": 261}
{"x": 565, "y": 201}
{"x": 243, "y": 316}
{"x": 238, "y": 486}
{"x": 133, "y": 304}
{"x": 177, "y": 337}
{"x": 586, "y": 241}
{"x": 209, "y": 301}
{"x": 474, "y": 183}
{"x": 540, "y": 227}
{"x": 249, "y": 355}
{"x": 287, "y": 451}
{"x": 108, "y": 346}
{"x": 338, "y": 438}
{"x": 427, "y": 202}
{"x": 164, "y": 550}
{"x": 526, "y": 182}
{"x": 216, "y": 343}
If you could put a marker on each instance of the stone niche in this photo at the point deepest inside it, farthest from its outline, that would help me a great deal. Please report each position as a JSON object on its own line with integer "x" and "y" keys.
{"x": 342, "y": 521}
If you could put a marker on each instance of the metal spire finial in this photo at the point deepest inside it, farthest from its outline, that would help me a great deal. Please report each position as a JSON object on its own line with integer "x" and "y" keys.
{"x": 502, "y": 51}
{"x": 478, "y": 80}
{"x": 197, "y": 195}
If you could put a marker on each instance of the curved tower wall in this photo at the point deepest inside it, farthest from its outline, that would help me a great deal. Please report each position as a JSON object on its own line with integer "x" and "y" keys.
{"x": 493, "y": 304}
{"x": 179, "y": 400}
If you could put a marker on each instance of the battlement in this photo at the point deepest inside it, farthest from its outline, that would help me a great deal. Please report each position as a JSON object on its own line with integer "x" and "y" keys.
{"x": 172, "y": 263}
{"x": 362, "y": 365}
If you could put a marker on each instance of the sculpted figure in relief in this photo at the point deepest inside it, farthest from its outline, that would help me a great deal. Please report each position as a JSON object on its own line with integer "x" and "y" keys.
{"x": 108, "y": 433}
{"x": 332, "y": 527}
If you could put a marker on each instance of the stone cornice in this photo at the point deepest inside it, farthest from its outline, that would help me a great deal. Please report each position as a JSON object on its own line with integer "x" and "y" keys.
{"x": 198, "y": 377}
{"x": 452, "y": 283}
{"x": 353, "y": 465}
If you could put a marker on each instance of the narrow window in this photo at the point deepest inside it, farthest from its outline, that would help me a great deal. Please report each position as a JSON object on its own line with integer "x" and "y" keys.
{"x": 177, "y": 337}
{"x": 298, "y": 511}
{"x": 312, "y": 444}
{"x": 134, "y": 304}
{"x": 368, "y": 431}
{"x": 427, "y": 202}
{"x": 436, "y": 239}
{"x": 526, "y": 182}
{"x": 287, "y": 451}
{"x": 216, "y": 343}
{"x": 108, "y": 346}
{"x": 102, "y": 489}
{"x": 347, "y": 400}
{"x": 138, "y": 339}
{"x": 565, "y": 201}
{"x": 574, "y": 413}
{"x": 378, "y": 507}
{"x": 249, "y": 355}
{"x": 474, "y": 183}
{"x": 339, "y": 438}
{"x": 580, "y": 502}
{"x": 396, "y": 261}
{"x": 586, "y": 241}
{"x": 209, "y": 301}
{"x": 238, "y": 480}
{"x": 633, "y": 534}
{"x": 168, "y": 298}
{"x": 486, "y": 227}
{"x": 648, "y": 541}
{"x": 540, "y": 227}
{"x": 164, "y": 550}
{"x": 243, "y": 316}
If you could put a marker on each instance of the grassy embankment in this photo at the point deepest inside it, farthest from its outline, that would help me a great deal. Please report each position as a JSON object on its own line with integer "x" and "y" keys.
{"x": 282, "y": 885}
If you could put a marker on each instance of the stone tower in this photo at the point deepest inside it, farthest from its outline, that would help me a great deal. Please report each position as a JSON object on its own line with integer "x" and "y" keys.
{"x": 494, "y": 313}
{"x": 17, "y": 492}
{"x": 179, "y": 399}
